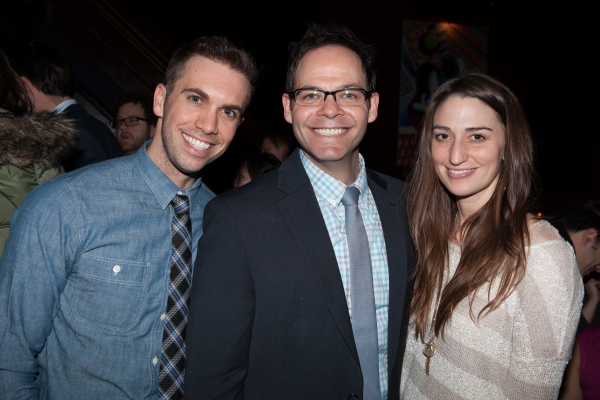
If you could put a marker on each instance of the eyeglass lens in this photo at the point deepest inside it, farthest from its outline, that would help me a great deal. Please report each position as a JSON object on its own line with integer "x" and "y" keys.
{"x": 344, "y": 97}
{"x": 131, "y": 121}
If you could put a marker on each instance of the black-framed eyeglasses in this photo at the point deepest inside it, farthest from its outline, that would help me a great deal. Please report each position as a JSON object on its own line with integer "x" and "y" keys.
{"x": 131, "y": 121}
{"x": 316, "y": 97}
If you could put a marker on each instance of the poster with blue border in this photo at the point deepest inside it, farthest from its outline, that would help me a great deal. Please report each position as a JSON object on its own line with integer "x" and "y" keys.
{"x": 432, "y": 53}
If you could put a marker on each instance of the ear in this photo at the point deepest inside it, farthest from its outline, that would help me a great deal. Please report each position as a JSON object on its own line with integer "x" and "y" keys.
{"x": 287, "y": 107}
{"x": 240, "y": 121}
{"x": 160, "y": 96}
{"x": 373, "y": 105}
{"x": 26, "y": 81}
{"x": 31, "y": 89}
{"x": 590, "y": 236}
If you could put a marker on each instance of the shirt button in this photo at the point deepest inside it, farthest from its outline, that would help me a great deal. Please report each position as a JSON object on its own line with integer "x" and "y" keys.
{"x": 155, "y": 361}
{"x": 181, "y": 193}
{"x": 116, "y": 269}
{"x": 163, "y": 316}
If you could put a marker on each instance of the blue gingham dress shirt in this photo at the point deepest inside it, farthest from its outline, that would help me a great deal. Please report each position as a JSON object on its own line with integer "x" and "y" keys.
{"x": 329, "y": 192}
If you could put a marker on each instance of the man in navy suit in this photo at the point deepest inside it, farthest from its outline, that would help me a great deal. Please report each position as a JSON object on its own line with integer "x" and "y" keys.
{"x": 271, "y": 313}
{"x": 50, "y": 84}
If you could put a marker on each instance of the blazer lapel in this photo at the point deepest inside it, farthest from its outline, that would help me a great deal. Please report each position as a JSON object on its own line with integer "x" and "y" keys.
{"x": 302, "y": 213}
{"x": 395, "y": 244}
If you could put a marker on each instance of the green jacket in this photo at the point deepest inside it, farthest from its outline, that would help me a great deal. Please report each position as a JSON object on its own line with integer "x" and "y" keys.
{"x": 31, "y": 152}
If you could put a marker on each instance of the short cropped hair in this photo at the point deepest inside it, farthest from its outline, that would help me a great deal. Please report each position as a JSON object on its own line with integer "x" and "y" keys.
{"x": 581, "y": 216}
{"x": 318, "y": 36}
{"x": 145, "y": 100}
{"x": 214, "y": 48}
{"x": 47, "y": 69}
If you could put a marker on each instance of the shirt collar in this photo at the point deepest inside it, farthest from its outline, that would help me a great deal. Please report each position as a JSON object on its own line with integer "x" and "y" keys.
{"x": 330, "y": 188}
{"x": 62, "y": 106}
{"x": 162, "y": 187}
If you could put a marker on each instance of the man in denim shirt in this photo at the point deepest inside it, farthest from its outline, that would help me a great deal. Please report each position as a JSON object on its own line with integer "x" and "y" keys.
{"x": 85, "y": 273}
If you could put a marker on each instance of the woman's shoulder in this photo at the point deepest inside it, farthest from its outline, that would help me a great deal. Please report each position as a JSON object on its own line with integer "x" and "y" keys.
{"x": 550, "y": 257}
{"x": 540, "y": 231}
{"x": 548, "y": 250}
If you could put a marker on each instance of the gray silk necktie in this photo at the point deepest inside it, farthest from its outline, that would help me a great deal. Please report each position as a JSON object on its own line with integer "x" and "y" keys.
{"x": 364, "y": 321}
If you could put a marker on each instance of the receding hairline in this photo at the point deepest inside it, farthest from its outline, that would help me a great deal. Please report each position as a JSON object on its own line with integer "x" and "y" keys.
{"x": 332, "y": 44}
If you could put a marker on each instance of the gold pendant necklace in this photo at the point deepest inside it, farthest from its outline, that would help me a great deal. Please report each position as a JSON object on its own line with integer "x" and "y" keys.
{"x": 429, "y": 350}
{"x": 430, "y": 347}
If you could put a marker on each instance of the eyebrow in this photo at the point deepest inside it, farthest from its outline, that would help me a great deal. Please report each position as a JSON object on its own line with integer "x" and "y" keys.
{"x": 471, "y": 129}
{"x": 233, "y": 107}
{"x": 206, "y": 97}
{"x": 197, "y": 92}
{"x": 479, "y": 128}
{"x": 339, "y": 87}
{"x": 352, "y": 85}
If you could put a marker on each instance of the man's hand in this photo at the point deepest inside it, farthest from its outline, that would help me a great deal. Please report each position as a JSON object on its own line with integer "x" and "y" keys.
{"x": 592, "y": 288}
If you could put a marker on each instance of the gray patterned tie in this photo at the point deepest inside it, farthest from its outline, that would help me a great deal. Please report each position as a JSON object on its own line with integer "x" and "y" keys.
{"x": 364, "y": 321}
{"x": 172, "y": 361}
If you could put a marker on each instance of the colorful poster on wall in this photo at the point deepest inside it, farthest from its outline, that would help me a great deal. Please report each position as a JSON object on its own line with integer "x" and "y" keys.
{"x": 432, "y": 53}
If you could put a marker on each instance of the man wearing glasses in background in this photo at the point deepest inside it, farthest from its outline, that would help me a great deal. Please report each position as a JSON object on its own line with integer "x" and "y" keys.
{"x": 302, "y": 282}
{"x": 134, "y": 121}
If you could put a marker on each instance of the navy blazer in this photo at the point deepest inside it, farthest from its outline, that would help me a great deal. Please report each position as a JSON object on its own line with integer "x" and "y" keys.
{"x": 268, "y": 314}
{"x": 95, "y": 143}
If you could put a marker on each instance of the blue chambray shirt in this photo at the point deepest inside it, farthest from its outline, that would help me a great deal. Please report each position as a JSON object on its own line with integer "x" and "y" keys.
{"x": 83, "y": 282}
{"x": 329, "y": 192}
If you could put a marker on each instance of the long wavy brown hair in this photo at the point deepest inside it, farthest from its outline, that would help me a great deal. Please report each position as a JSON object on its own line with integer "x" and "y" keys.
{"x": 494, "y": 239}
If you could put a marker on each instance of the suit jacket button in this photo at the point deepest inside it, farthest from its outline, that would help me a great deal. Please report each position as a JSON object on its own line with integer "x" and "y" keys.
{"x": 353, "y": 397}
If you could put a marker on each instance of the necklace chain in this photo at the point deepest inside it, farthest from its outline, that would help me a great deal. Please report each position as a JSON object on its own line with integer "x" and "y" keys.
{"x": 430, "y": 348}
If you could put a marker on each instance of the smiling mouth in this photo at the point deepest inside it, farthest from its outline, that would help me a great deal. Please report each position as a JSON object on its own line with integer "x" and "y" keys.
{"x": 330, "y": 132}
{"x": 461, "y": 172}
{"x": 197, "y": 144}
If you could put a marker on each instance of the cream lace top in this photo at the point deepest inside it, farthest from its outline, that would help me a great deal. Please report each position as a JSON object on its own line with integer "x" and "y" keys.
{"x": 519, "y": 350}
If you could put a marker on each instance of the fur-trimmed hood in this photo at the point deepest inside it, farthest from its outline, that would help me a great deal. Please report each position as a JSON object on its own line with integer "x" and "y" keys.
{"x": 36, "y": 138}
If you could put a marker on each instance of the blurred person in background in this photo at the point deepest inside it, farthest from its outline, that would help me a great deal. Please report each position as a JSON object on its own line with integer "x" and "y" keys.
{"x": 134, "y": 121}
{"x": 580, "y": 226}
{"x": 581, "y": 377}
{"x": 281, "y": 144}
{"x": 33, "y": 146}
{"x": 254, "y": 166}
{"x": 50, "y": 85}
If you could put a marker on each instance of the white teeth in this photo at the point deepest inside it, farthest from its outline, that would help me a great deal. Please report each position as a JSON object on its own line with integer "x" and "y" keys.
{"x": 197, "y": 144}
{"x": 330, "y": 132}
{"x": 460, "y": 172}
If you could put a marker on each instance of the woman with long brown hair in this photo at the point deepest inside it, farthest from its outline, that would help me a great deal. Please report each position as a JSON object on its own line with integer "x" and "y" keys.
{"x": 497, "y": 294}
